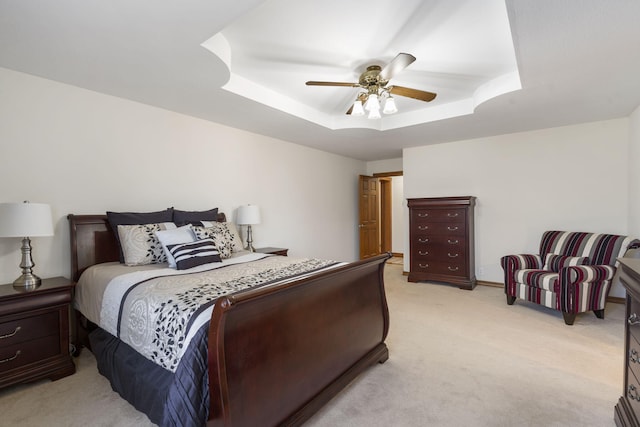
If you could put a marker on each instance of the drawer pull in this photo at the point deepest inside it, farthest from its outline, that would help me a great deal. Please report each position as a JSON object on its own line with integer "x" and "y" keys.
{"x": 632, "y": 393}
{"x": 423, "y": 265}
{"x": 11, "y": 334}
{"x": 423, "y": 253}
{"x": 452, "y": 256}
{"x": 633, "y": 320}
{"x": 11, "y": 358}
{"x": 423, "y": 240}
{"x": 423, "y": 215}
{"x": 633, "y": 356}
{"x": 453, "y": 268}
{"x": 450, "y": 215}
{"x": 423, "y": 227}
{"x": 453, "y": 242}
{"x": 452, "y": 228}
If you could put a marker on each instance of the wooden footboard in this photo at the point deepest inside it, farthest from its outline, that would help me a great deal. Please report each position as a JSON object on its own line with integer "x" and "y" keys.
{"x": 277, "y": 355}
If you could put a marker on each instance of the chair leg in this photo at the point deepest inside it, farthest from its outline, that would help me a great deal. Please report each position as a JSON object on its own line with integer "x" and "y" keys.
{"x": 599, "y": 313}
{"x": 569, "y": 318}
{"x": 510, "y": 299}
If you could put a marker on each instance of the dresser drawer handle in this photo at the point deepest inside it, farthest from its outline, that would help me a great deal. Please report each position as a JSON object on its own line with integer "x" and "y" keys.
{"x": 450, "y": 215}
{"x": 453, "y": 242}
{"x": 453, "y": 268}
{"x": 11, "y": 358}
{"x": 423, "y": 252}
{"x": 633, "y": 320}
{"x": 423, "y": 227}
{"x": 633, "y": 356}
{"x": 423, "y": 215}
{"x": 452, "y": 228}
{"x": 11, "y": 334}
{"x": 423, "y": 240}
{"x": 452, "y": 256}
{"x": 423, "y": 265}
{"x": 632, "y": 393}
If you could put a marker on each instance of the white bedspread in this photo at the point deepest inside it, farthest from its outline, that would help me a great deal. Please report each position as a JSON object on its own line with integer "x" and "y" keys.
{"x": 157, "y": 310}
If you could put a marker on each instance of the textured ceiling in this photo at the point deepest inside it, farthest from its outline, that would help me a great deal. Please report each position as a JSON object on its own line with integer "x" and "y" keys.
{"x": 577, "y": 62}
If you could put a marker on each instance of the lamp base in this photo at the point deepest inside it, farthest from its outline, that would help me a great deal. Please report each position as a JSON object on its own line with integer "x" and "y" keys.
{"x": 27, "y": 281}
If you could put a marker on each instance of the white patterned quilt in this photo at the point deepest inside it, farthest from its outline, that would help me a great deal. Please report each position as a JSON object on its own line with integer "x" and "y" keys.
{"x": 158, "y": 311}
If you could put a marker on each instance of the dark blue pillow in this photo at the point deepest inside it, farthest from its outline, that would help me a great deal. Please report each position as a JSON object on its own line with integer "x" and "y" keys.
{"x": 136, "y": 218}
{"x": 194, "y": 217}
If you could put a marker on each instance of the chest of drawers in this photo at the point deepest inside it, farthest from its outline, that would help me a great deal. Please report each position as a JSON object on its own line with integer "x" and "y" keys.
{"x": 34, "y": 332}
{"x": 627, "y": 410}
{"x": 441, "y": 236}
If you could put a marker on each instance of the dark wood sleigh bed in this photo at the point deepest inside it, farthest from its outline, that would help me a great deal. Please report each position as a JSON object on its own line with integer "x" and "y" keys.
{"x": 275, "y": 355}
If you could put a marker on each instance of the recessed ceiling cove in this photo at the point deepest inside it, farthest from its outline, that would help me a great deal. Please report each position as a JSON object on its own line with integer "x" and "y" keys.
{"x": 463, "y": 51}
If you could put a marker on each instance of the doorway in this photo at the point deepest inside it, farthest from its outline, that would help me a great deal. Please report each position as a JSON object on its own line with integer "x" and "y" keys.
{"x": 380, "y": 207}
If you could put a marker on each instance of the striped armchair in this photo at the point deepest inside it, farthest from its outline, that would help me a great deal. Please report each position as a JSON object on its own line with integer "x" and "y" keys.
{"x": 572, "y": 273}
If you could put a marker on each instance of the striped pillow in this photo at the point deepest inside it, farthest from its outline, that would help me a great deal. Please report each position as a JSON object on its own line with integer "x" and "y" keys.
{"x": 193, "y": 254}
{"x": 558, "y": 262}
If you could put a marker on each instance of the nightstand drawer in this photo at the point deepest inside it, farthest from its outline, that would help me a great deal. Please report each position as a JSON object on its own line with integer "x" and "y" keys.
{"x": 21, "y": 354}
{"x": 29, "y": 328}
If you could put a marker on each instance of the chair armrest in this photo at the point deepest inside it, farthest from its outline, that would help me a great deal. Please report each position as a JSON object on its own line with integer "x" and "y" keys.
{"x": 521, "y": 261}
{"x": 512, "y": 263}
{"x": 586, "y": 274}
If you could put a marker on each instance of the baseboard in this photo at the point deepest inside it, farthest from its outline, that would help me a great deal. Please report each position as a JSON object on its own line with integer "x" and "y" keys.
{"x": 397, "y": 254}
{"x": 614, "y": 300}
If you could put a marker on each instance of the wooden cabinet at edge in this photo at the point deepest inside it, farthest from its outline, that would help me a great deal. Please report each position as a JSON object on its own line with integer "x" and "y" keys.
{"x": 441, "y": 239}
{"x": 627, "y": 410}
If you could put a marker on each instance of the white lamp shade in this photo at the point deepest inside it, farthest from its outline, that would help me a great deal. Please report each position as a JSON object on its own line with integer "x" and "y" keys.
{"x": 390, "y": 106}
{"x": 357, "y": 109}
{"x": 25, "y": 220}
{"x": 372, "y": 103}
{"x": 248, "y": 215}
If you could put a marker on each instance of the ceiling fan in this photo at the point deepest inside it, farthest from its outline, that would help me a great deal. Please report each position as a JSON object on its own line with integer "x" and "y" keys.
{"x": 374, "y": 83}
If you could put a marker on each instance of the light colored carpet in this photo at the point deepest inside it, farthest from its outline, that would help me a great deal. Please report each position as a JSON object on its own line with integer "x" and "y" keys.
{"x": 457, "y": 358}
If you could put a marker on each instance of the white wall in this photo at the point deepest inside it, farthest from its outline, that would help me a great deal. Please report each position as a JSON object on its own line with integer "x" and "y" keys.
{"x": 84, "y": 152}
{"x": 566, "y": 178}
{"x": 634, "y": 176}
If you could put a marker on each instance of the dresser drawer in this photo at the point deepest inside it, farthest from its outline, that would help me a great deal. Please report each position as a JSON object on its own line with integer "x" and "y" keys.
{"x": 440, "y": 229}
{"x": 452, "y": 268}
{"x": 21, "y": 354}
{"x": 634, "y": 329}
{"x": 28, "y": 328}
{"x": 440, "y": 252}
{"x": 438, "y": 215}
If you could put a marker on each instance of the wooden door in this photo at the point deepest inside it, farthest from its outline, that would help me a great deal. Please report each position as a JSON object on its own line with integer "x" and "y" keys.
{"x": 369, "y": 206}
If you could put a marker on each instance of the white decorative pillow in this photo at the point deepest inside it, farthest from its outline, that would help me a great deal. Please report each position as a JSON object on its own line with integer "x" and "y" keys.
{"x": 237, "y": 241}
{"x": 219, "y": 232}
{"x": 174, "y": 236}
{"x": 193, "y": 254}
{"x": 139, "y": 243}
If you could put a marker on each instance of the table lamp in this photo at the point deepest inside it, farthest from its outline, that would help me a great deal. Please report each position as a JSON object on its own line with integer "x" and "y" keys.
{"x": 26, "y": 220}
{"x": 249, "y": 215}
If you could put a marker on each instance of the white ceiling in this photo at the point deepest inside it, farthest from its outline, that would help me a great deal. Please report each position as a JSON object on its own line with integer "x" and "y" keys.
{"x": 576, "y": 61}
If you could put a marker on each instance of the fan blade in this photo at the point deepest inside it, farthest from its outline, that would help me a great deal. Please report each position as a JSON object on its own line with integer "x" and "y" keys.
{"x": 350, "y": 110}
{"x": 399, "y": 63}
{"x": 332, "y": 84}
{"x": 420, "y": 95}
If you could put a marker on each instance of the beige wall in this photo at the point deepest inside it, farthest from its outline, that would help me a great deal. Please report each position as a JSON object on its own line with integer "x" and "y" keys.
{"x": 84, "y": 152}
{"x": 566, "y": 178}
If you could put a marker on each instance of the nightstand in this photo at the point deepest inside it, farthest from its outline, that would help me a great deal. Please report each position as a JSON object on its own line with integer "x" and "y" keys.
{"x": 273, "y": 251}
{"x": 34, "y": 332}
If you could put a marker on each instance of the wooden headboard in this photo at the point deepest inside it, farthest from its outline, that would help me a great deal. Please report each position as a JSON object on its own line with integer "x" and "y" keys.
{"x": 93, "y": 242}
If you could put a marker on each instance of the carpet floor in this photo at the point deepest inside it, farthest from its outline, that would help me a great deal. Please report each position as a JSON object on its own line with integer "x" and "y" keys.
{"x": 457, "y": 358}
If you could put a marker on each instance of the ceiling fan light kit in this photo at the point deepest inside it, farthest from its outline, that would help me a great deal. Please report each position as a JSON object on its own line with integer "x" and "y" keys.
{"x": 373, "y": 83}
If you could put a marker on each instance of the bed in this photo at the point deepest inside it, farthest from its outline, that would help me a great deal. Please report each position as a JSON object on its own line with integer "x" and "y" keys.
{"x": 273, "y": 354}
